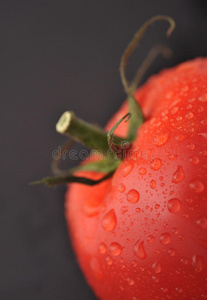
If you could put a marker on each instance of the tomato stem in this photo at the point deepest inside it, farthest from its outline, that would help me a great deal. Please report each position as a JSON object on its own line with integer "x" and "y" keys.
{"x": 118, "y": 149}
{"x": 83, "y": 132}
{"x": 137, "y": 116}
{"x": 97, "y": 138}
{"x": 52, "y": 181}
{"x": 165, "y": 51}
{"x": 132, "y": 45}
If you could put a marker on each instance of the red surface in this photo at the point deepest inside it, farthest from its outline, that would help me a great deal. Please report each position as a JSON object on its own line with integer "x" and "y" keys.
{"x": 142, "y": 234}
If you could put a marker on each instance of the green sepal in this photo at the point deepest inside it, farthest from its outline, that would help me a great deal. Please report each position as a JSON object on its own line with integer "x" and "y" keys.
{"x": 137, "y": 118}
{"x": 107, "y": 166}
{"x": 56, "y": 180}
{"x": 101, "y": 166}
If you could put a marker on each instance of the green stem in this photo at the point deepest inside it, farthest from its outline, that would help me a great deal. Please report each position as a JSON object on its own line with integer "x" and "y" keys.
{"x": 132, "y": 45}
{"x": 137, "y": 118}
{"x": 165, "y": 51}
{"x": 97, "y": 138}
{"x": 118, "y": 149}
{"x": 134, "y": 108}
{"x": 83, "y": 132}
{"x": 52, "y": 181}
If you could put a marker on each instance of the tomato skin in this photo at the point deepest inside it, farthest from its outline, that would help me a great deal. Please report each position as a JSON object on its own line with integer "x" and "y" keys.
{"x": 143, "y": 233}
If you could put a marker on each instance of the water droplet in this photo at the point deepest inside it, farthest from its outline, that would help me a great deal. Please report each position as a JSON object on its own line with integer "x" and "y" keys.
{"x": 165, "y": 118}
{"x": 184, "y": 261}
{"x": 102, "y": 248}
{"x": 115, "y": 249}
{"x": 174, "y": 205}
{"x": 191, "y": 100}
{"x": 203, "y": 134}
{"x": 197, "y": 263}
{"x": 171, "y": 252}
{"x": 178, "y": 176}
{"x": 197, "y": 186}
{"x": 142, "y": 171}
{"x": 157, "y": 206}
{"x": 127, "y": 169}
{"x": 175, "y": 230}
{"x": 124, "y": 209}
{"x": 164, "y": 290}
{"x": 174, "y": 110}
{"x": 203, "y": 98}
{"x": 179, "y": 290}
{"x": 153, "y": 184}
{"x": 138, "y": 210}
{"x": 164, "y": 112}
{"x": 189, "y": 115}
{"x": 132, "y": 196}
{"x": 130, "y": 281}
{"x": 146, "y": 153}
{"x": 139, "y": 249}
{"x": 121, "y": 188}
{"x": 156, "y": 267}
{"x": 134, "y": 263}
{"x": 179, "y": 118}
{"x": 181, "y": 237}
{"x": 165, "y": 238}
{"x": 172, "y": 156}
{"x": 204, "y": 152}
{"x": 194, "y": 160}
{"x": 109, "y": 221}
{"x": 165, "y": 225}
{"x": 155, "y": 279}
{"x": 200, "y": 109}
{"x": 109, "y": 260}
{"x": 155, "y": 164}
{"x": 204, "y": 122}
{"x": 179, "y": 137}
{"x": 191, "y": 146}
{"x": 202, "y": 223}
{"x": 150, "y": 239}
{"x": 161, "y": 139}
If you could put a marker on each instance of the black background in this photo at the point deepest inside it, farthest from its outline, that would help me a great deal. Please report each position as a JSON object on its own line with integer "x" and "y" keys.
{"x": 55, "y": 56}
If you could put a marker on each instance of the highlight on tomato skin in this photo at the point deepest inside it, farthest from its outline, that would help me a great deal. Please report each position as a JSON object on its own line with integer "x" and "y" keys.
{"x": 142, "y": 233}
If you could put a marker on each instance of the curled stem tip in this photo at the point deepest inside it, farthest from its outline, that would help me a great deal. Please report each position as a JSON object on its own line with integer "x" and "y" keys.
{"x": 55, "y": 162}
{"x": 118, "y": 149}
{"x": 132, "y": 45}
{"x": 165, "y": 51}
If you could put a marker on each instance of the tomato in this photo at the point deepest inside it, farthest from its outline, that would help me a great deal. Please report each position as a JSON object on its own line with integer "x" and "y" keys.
{"x": 142, "y": 234}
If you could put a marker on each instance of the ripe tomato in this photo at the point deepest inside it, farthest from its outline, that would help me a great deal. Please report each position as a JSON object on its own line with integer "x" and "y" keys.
{"x": 142, "y": 234}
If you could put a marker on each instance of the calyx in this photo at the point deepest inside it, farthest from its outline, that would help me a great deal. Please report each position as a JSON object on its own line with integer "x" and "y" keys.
{"x": 97, "y": 139}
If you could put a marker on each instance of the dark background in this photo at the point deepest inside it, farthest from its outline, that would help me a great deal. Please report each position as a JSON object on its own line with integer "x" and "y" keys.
{"x": 55, "y": 56}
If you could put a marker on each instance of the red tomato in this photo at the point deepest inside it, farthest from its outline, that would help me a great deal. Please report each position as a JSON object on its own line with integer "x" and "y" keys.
{"x": 142, "y": 234}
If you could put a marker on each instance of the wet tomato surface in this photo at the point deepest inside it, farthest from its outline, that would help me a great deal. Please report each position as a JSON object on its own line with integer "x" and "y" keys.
{"x": 142, "y": 234}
